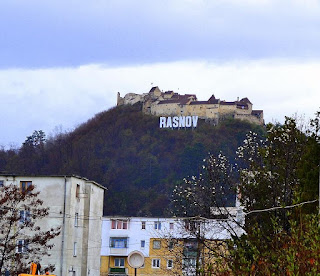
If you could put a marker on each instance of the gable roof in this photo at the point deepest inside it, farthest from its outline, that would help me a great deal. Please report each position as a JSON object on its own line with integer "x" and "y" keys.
{"x": 245, "y": 100}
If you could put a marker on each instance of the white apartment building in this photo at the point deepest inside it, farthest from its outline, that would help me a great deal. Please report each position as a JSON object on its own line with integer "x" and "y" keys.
{"x": 76, "y": 205}
{"x": 153, "y": 237}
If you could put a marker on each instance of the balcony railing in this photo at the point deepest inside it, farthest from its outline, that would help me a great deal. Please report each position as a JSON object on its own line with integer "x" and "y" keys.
{"x": 118, "y": 271}
{"x": 118, "y": 251}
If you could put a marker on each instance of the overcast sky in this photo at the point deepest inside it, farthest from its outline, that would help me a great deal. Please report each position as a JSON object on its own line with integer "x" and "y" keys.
{"x": 61, "y": 62}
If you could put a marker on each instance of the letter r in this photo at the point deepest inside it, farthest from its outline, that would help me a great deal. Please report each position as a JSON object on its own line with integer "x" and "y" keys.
{"x": 162, "y": 122}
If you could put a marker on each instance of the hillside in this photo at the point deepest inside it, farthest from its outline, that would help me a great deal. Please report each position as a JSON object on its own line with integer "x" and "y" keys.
{"x": 126, "y": 151}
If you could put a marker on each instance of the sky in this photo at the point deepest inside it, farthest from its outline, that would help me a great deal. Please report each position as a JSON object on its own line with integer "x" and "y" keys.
{"x": 62, "y": 62}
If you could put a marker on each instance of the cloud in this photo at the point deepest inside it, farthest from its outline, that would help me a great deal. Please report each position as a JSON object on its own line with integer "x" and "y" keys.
{"x": 47, "y": 98}
{"x": 120, "y": 32}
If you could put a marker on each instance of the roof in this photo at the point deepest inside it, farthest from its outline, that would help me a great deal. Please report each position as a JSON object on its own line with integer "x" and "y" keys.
{"x": 213, "y": 100}
{"x": 227, "y": 103}
{"x": 69, "y": 176}
{"x": 257, "y": 112}
{"x": 170, "y": 102}
{"x": 178, "y": 99}
{"x": 199, "y": 102}
{"x": 245, "y": 100}
{"x": 153, "y": 88}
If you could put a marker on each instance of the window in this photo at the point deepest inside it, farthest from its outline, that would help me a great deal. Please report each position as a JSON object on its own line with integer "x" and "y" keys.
{"x": 143, "y": 243}
{"x": 155, "y": 263}
{"x": 22, "y": 246}
{"x": 75, "y": 249}
{"x": 1, "y": 183}
{"x": 156, "y": 244}
{"x": 169, "y": 264}
{"x": 119, "y": 262}
{"x": 78, "y": 191}
{"x": 24, "y": 216}
{"x": 190, "y": 246}
{"x": 119, "y": 224}
{"x": 190, "y": 262}
{"x": 170, "y": 244}
{"x": 143, "y": 225}
{"x": 119, "y": 242}
{"x": 191, "y": 225}
{"x": 171, "y": 225}
{"x": 157, "y": 225}
{"x": 25, "y": 186}
{"x": 76, "y": 220}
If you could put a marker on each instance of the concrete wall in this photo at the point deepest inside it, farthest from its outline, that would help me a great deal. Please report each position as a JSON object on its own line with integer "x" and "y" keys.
{"x": 60, "y": 195}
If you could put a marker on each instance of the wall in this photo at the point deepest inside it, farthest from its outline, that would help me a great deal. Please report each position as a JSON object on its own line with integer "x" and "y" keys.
{"x": 212, "y": 230}
{"x": 152, "y": 105}
{"x": 87, "y": 234}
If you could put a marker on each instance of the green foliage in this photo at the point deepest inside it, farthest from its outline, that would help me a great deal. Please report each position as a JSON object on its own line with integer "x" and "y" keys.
{"x": 276, "y": 171}
{"x": 269, "y": 176}
{"x": 127, "y": 152}
{"x": 294, "y": 253}
{"x": 281, "y": 171}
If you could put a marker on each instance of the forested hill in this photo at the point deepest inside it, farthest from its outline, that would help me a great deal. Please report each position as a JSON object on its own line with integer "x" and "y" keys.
{"x": 126, "y": 151}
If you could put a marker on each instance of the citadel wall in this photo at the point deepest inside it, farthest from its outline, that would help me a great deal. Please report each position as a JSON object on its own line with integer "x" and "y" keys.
{"x": 169, "y": 103}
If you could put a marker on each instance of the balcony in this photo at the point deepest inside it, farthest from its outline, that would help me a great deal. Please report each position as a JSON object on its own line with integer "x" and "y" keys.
{"x": 118, "y": 251}
{"x": 118, "y": 271}
{"x": 119, "y": 246}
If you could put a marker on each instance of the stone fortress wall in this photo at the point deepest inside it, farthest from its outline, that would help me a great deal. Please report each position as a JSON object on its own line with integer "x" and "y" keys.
{"x": 169, "y": 103}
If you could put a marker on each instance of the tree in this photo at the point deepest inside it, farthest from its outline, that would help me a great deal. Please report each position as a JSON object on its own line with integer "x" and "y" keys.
{"x": 32, "y": 153}
{"x": 284, "y": 253}
{"x": 269, "y": 173}
{"x": 208, "y": 204}
{"x": 278, "y": 174}
{"x": 215, "y": 187}
{"x": 275, "y": 172}
{"x": 21, "y": 239}
{"x": 37, "y": 139}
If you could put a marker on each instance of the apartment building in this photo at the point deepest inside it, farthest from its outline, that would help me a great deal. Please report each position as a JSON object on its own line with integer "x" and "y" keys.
{"x": 76, "y": 205}
{"x": 170, "y": 246}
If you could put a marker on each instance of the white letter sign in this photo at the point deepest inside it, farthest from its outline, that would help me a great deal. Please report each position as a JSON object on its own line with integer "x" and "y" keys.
{"x": 178, "y": 122}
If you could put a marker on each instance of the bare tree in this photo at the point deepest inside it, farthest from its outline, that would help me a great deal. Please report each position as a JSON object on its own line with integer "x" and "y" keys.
{"x": 21, "y": 239}
{"x": 208, "y": 203}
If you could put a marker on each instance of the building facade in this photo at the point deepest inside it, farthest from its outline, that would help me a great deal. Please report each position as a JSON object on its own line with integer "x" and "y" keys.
{"x": 169, "y": 103}
{"x": 170, "y": 246}
{"x": 76, "y": 206}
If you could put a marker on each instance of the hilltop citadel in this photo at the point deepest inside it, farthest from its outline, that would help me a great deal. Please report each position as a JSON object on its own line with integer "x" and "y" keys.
{"x": 169, "y": 103}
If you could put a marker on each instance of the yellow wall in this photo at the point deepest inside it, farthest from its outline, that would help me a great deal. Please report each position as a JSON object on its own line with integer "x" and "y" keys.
{"x": 164, "y": 254}
{"x": 175, "y": 254}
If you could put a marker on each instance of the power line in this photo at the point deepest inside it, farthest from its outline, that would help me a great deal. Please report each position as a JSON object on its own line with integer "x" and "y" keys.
{"x": 280, "y": 207}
